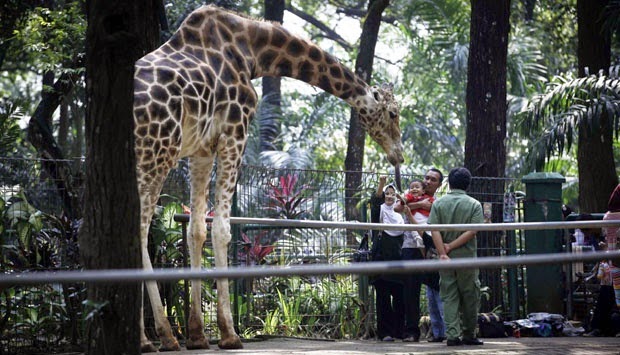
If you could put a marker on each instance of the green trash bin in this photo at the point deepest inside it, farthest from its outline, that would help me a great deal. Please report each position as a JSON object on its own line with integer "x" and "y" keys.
{"x": 543, "y": 203}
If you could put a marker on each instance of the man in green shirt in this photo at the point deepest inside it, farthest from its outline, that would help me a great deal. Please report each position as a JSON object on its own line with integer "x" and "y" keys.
{"x": 459, "y": 289}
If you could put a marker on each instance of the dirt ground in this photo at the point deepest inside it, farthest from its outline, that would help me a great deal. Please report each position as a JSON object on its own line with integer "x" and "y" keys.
{"x": 512, "y": 346}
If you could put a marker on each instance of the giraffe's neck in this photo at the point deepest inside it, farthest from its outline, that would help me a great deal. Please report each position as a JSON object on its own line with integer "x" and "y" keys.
{"x": 299, "y": 59}
{"x": 234, "y": 45}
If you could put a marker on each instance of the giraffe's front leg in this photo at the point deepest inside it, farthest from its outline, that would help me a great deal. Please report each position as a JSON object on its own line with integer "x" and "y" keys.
{"x": 221, "y": 238}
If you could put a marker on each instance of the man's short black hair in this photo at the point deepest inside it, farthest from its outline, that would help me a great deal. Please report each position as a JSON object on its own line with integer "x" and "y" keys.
{"x": 438, "y": 172}
{"x": 459, "y": 178}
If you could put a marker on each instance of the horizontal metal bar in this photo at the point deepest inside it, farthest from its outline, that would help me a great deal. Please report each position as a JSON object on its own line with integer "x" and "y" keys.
{"x": 296, "y": 223}
{"x": 379, "y": 267}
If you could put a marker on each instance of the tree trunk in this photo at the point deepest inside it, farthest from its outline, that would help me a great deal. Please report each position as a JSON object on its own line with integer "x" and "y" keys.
{"x": 119, "y": 32}
{"x": 595, "y": 160}
{"x": 529, "y": 6}
{"x": 47, "y": 93}
{"x": 63, "y": 126}
{"x": 41, "y": 136}
{"x": 274, "y": 11}
{"x": 485, "y": 151}
{"x": 357, "y": 137}
{"x": 77, "y": 120}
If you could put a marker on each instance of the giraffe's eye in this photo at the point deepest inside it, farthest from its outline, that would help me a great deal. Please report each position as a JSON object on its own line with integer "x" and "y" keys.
{"x": 393, "y": 115}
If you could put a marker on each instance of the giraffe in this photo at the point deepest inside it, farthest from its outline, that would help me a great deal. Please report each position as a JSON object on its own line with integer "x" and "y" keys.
{"x": 193, "y": 97}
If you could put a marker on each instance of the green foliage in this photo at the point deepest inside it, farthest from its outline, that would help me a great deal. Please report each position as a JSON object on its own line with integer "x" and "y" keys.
{"x": 314, "y": 133}
{"x": 166, "y": 235}
{"x": 11, "y": 138}
{"x": 556, "y": 32}
{"x": 34, "y": 314}
{"x": 271, "y": 323}
{"x": 50, "y": 39}
{"x": 31, "y": 240}
{"x": 525, "y": 71}
{"x": 552, "y": 120}
{"x": 24, "y": 245}
{"x": 315, "y": 307}
{"x": 433, "y": 76}
{"x": 291, "y": 317}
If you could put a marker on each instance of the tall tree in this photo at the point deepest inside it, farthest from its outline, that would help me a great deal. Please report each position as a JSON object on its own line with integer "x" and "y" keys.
{"x": 119, "y": 32}
{"x": 485, "y": 151}
{"x": 357, "y": 137}
{"x": 41, "y": 136}
{"x": 274, "y": 11}
{"x": 486, "y": 102}
{"x": 595, "y": 160}
{"x": 44, "y": 40}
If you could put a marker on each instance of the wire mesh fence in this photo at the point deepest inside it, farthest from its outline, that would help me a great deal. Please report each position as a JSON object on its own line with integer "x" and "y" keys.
{"x": 326, "y": 306}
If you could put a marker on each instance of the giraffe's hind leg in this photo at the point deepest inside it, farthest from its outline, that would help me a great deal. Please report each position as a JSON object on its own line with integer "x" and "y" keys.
{"x": 200, "y": 169}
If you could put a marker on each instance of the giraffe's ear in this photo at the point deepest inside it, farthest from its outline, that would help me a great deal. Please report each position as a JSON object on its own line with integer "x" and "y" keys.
{"x": 388, "y": 87}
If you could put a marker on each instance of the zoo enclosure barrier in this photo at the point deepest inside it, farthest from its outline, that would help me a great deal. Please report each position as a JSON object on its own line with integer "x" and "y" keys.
{"x": 132, "y": 275}
{"x": 281, "y": 193}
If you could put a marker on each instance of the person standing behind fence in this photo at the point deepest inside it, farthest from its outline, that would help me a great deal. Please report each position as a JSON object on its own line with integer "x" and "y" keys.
{"x": 606, "y": 317}
{"x": 613, "y": 213}
{"x": 389, "y": 287}
{"x": 432, "y": 181}
{"x": 612, "y": 238}
{"x": 459, "y": 288}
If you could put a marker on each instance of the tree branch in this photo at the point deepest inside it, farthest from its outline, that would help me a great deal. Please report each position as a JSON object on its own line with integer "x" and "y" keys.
{"x": 360, "y": 13}
{"x": 329, "y": 33}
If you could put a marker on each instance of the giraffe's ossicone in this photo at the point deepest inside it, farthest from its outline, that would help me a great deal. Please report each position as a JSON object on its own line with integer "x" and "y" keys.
{"x": 193, "y": 97}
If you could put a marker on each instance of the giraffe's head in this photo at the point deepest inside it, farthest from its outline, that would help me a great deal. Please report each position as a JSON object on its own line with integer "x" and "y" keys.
{"x": 381, "y": 121}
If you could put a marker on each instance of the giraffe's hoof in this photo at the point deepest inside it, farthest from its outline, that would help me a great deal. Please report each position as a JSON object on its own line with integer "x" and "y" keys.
{"x": 199, "y": 343}
{"x": 170, "y": 344}
{"x": 148, "y": 348}
{"x": 233, "y": 342}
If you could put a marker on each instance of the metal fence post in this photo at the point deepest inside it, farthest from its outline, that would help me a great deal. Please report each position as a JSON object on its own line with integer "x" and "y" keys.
{"x": 363, "y": 283}
{"x": 235, "y": 231}
{"x": 510, "y": 216}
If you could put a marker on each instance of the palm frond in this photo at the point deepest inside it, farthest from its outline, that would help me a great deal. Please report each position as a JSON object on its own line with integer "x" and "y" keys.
{"x": 553, "y": 119}
{"x": 293, "y": 158}
{"x": 523, "y": 61}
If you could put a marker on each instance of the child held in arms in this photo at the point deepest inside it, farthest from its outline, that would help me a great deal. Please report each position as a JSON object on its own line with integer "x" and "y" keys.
{"x": 417, "y": 192}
